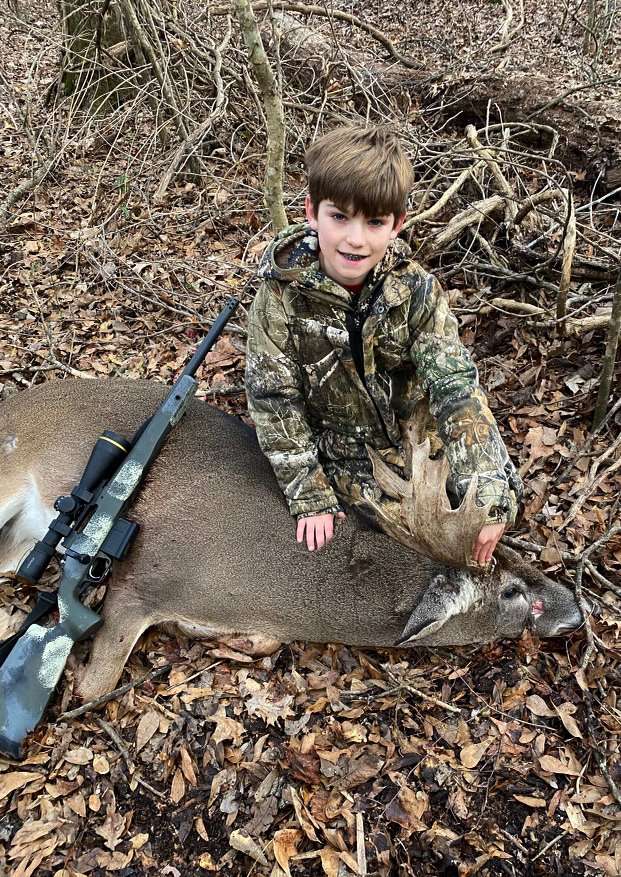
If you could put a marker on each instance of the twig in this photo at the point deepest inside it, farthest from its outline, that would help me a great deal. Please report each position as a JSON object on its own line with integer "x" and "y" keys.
{"x": 517, "y": 843}
{"x": 609, "y": 80}
{"x": 601, "y": 579}
{"x": 517, "y": 307}
{"x": 507, "y": 34}
{"x": 131, "y": 767}
{"x": 533, "y": 201}
{"x": 600, "y": 756}
{"x": 361, "y": 856}
{"x": 426, "y": 697}
{"x": 609, "y": 534}
{"x": 594, "y": 481}
{"x": 114, "y": 695}
{"x": 18, "y": 193}
{"x": 549, "y": 846}
{"x": 472, "y": 215}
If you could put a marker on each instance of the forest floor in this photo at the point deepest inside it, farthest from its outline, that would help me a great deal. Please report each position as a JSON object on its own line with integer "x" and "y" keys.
{"x": 325, "y": 759}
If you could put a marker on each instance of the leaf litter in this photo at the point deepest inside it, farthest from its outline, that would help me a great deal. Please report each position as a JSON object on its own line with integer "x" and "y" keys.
{"x": 317, "y": 759}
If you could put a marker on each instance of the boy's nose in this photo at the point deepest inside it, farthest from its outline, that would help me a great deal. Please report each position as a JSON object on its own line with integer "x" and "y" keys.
{"x": 355, "y": 236}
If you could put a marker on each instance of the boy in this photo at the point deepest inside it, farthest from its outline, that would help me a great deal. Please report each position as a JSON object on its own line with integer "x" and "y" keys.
{"x": 347, "y": 333}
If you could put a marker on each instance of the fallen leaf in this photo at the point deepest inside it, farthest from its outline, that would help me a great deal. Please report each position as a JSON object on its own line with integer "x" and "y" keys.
{"x": 529, "y": 801}
{"x": 177, "y": 789}
{"x": 101, "y": 764}
{"x": 187, "y": 766}
{"x": 565, "y": 711}
{"x": 330, "y": 861}
{"x": 81, "y": 755}
{"x": 147, "y": 726}
{"x": 305, "y": 821}
{"x": 538, "y": 706}
{"x": 13, "y": 780}
{"x": 242, "y": 842}
{"x": 227, "y": 729}
{"x": 286, "y": 842}
{"x": 471, "y": 755}
{"x": 78, "y": 804}
{"x": 555, "y": 765}
{"x": 112, "y": 829}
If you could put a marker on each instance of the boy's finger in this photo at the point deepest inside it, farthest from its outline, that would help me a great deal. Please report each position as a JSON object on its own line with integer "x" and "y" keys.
{"x": 310, "y": 535}
{"x": 329, "y": 529}
{"x": 319, "y": 533}
{"x": 299, "y": 533}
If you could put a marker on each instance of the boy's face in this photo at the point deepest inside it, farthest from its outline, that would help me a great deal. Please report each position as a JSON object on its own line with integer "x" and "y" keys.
{"x": 350, "y": 244}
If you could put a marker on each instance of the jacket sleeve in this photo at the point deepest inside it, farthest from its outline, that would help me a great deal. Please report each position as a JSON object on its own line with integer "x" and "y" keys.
{"x": 276, "y": 404}
{"x": 472, "y": 442}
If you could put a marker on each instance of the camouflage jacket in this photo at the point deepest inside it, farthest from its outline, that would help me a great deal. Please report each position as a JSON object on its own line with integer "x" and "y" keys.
{"x": 315, "y": 411}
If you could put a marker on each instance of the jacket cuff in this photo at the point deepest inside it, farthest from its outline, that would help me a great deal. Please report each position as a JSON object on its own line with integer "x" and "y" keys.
{"x": 505, "y": 511}
{"x": 318, "y": 505}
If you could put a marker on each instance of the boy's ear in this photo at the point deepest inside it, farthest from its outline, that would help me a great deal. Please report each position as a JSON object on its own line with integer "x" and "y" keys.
{"x": 397, "y": 226}
{"x": 310, "y": 213}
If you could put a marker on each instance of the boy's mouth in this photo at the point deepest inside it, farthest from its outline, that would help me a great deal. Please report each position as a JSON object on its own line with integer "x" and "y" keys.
{"x": 351, "y": 257}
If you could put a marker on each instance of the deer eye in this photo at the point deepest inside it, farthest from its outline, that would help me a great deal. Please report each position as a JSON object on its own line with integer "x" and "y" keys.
{"x": 510, "y": 593}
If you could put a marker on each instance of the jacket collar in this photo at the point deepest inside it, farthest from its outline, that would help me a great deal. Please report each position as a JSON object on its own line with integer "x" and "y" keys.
{"x": 293, "y": 257}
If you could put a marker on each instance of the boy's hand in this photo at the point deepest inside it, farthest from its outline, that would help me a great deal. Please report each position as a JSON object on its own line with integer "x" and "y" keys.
{"x": 486, "y": 543}
{"x": 318, "y": 530}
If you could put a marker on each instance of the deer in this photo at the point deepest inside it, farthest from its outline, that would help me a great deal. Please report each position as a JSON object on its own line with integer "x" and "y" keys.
{"x": 215, "y": 558}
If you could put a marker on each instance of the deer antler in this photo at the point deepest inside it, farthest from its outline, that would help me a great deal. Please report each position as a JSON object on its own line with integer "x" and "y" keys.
{"x": 427, "y": 523}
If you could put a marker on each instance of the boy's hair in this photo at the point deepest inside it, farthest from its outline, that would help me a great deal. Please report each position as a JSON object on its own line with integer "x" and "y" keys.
{"x": 362, "y": 169}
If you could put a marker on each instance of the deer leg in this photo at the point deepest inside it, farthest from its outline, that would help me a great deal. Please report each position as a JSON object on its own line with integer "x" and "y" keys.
{"x": 24, "y": 518}
{"x": 125, "y": 620}
{"x": 254, "y": 644}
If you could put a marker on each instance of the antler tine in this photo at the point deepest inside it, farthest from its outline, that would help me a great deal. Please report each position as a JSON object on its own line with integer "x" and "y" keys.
{"x": 427, "y": 523}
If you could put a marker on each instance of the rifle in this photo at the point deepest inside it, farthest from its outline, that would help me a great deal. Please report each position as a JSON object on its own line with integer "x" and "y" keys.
{"x": 94, "y": 533}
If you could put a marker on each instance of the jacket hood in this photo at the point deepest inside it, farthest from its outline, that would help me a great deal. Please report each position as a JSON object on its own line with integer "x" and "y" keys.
{"x": 293, "y": 256}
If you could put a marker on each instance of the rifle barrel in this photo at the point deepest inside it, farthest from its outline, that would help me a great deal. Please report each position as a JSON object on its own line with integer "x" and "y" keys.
{"x": 211, "y": 337}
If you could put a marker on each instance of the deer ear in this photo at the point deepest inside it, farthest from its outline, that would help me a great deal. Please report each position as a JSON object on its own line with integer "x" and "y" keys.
{"x": 440, "y": 602}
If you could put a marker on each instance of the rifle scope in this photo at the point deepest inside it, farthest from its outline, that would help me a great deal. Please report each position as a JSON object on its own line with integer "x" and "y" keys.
{"x": 109, "y": 450}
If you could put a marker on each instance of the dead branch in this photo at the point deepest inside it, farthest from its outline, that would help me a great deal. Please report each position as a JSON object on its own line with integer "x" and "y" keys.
{"x": 323, "y": 11}
{"x": 113, "y": 695}
{"x": 501, "y": 181}
{"x": 453, "y": 189}
{"x": 614, "y": 331}
{"x": 507, "y": 34}
{"x": 471, "y": 216}
{"x": 517, "y": 307}
{"x": 569, "y": 248}
{"x": 193, "y": 142}
{"x": 533, "y": 201}
{"x": 274, "y": 114}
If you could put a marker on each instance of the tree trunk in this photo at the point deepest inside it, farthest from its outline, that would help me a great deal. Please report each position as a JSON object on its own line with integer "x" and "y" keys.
{"x": 93, "y": 37}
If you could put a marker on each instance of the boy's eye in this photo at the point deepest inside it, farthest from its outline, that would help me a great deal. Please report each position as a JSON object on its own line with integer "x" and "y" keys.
{"x": 338, "y": 216}
{"x": 377, "y": 223}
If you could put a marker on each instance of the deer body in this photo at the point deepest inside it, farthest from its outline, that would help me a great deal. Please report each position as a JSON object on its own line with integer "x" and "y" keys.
{"x": 216, "y": 553}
